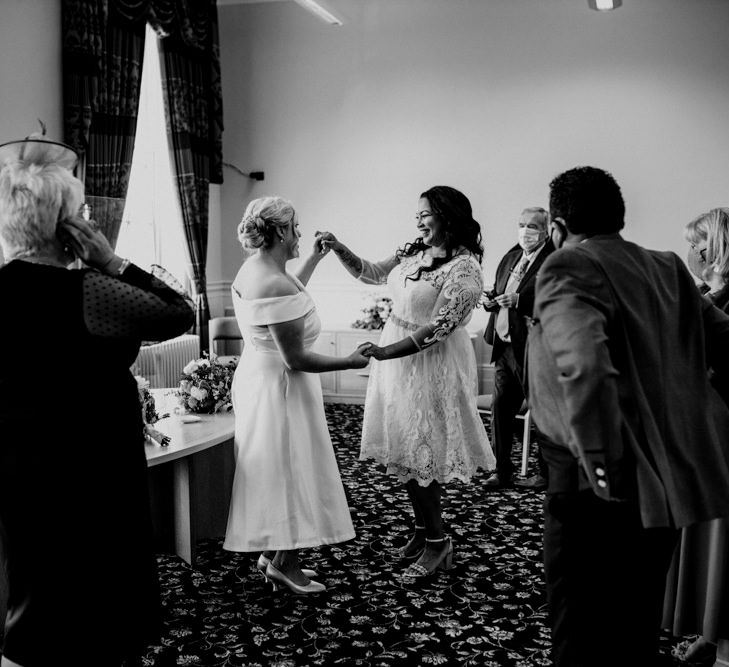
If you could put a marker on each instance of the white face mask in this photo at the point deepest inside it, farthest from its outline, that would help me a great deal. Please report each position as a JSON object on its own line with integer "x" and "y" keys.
{"x": 529, "y": 238}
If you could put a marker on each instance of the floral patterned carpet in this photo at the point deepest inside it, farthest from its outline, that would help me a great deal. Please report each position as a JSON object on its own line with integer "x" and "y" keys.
{"x": 489, "y": 610}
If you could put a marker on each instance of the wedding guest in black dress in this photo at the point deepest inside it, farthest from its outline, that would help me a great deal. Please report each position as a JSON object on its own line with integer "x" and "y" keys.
{"x": 74, "y": 510}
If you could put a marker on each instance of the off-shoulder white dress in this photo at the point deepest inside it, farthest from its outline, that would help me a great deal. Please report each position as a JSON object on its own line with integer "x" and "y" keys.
{"x": 420, "y": 417}
{"x": 287, "y": 492}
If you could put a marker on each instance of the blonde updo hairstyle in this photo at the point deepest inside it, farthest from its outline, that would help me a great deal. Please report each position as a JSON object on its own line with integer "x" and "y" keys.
{"x": 262, "y": 217}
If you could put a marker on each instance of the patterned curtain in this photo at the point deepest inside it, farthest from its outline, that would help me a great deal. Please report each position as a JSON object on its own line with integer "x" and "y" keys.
{"x": 103, "y": 45}
{"x": 102, "y": 67}
{"x": 191, "y": 79}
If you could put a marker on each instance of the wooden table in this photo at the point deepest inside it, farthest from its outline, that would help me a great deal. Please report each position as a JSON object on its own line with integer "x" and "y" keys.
{"x": 187, "y": 439}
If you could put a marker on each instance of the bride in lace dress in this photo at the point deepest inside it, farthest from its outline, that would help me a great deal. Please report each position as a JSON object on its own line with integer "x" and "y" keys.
{"x": 420, "y": 417}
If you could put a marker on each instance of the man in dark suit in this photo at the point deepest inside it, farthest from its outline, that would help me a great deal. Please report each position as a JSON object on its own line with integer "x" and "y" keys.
{"x": 617, "y": 368}
{"x": 511, "y": 301}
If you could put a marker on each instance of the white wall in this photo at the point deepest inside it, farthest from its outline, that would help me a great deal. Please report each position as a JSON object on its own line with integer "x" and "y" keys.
{"x": 494, "y": 97}
{"x": 30, "y": 69}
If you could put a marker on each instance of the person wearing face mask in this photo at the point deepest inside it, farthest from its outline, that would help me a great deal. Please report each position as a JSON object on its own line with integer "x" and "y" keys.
{"x": 511, "y": 301}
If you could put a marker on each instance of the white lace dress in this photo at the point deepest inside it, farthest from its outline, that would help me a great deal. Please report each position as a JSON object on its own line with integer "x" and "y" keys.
{"x": 287, "y": 492}
{"x": 420, "y": 416}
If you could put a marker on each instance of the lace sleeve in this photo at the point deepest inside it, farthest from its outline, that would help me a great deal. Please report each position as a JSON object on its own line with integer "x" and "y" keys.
{"x": 138, "y": 305}
{"x": 458, "y": 296}
{"x": 375, "y": 273}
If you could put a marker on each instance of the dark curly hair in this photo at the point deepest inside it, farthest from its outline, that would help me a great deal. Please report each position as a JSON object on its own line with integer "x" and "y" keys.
{"x": 589, "y": 200}
{"x": 453, "y": 209}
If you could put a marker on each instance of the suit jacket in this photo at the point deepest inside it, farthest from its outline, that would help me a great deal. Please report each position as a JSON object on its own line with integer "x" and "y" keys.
{"x": 617, "y": 371}
{"x": 525, "y": 290}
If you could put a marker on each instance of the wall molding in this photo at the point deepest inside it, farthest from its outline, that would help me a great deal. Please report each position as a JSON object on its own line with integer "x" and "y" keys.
{"x": 219, "y": 296}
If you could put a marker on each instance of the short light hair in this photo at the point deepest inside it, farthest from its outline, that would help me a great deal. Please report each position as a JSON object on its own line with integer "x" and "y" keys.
{"x": 713, "y": 227}
{"x": 262, "y": 217}
{"x": 539, "y": 213}
{"x": 34, "y": 197}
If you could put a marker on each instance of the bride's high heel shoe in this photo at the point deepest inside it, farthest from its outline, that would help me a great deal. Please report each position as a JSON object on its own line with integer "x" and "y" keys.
{"x": 278, "y": 578}
{"x": 263, "y": 563}
{"x": 444, "y": 562}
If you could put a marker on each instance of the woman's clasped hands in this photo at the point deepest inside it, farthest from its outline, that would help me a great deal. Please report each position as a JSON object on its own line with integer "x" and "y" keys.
{"x": 373, "y": 351}
{"x": 359, "y": 358}
{"x": 325, "y": 241}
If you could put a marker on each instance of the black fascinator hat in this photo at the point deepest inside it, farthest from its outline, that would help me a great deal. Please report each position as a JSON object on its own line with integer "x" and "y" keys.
{"x": 37, "y": 149}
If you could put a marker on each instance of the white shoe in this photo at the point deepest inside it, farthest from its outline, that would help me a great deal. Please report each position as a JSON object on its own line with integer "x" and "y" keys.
{"x": 263, "y": 563}
{"x": 277, "y": 578}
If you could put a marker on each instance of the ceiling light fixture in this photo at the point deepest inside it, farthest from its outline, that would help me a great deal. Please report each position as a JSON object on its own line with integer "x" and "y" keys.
{"x": 318, "y": 10}
{"x": 604, "y": 5}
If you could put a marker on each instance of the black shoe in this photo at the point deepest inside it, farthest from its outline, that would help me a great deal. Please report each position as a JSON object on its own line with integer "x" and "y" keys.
{"x": 493, "y": 481}
{"x": 535, "y": 482}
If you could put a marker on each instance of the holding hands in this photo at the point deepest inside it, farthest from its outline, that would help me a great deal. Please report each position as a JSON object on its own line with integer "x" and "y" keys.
{"x": 359, "y": 358}
{"x": 373, "y": 351}
{"x": 324, "y": 242}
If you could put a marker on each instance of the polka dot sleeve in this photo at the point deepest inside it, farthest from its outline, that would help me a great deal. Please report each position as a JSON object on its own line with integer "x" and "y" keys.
{"x": 136, "y": 305}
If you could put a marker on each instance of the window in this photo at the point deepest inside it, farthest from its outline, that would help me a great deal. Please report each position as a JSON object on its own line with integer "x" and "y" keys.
{"x": 151, "y": 230}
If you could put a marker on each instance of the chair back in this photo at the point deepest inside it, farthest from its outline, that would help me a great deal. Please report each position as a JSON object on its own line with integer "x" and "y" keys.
{"x": 225, "y": 336}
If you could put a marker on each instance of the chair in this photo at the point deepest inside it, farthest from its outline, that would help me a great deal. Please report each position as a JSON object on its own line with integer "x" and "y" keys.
{"x": 225, "y": 336}
{"x": 483, "y": 404}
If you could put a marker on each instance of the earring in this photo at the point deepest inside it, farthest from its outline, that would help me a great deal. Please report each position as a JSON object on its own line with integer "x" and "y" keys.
{"x": 280, "y": 240}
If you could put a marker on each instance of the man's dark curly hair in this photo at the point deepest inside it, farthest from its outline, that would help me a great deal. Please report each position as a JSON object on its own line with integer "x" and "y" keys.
{"x": 588, "y": 200}
{"x": 452, "y": 208}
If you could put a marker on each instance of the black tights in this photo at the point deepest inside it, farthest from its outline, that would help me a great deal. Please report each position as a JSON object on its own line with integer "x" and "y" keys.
{"x": 426, "y": 507}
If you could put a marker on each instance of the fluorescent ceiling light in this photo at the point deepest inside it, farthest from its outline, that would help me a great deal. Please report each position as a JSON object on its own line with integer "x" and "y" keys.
{"x": 604, "y": 5}
{"x": 315, "y": 8}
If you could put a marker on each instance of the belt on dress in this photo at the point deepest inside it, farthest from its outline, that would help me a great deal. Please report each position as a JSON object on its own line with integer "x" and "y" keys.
{"x": 403, "y": 323}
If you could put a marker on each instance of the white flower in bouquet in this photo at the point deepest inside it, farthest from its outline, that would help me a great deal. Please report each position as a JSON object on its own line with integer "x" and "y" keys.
{"x": 205, "y": 385}
{"x": 198, "y": 394}
{"x": 191, "y": 367}
{"x": 376, "y": 311}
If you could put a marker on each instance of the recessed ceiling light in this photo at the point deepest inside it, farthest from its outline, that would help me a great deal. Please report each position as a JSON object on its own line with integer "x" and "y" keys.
{"x": 604, "y": 5}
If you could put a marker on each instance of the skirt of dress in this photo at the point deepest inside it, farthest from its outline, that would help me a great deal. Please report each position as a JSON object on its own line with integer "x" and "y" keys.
{"x": 287, "y": 492}
{"x": 420, "y": 416}
{"x": 697, "y": 589}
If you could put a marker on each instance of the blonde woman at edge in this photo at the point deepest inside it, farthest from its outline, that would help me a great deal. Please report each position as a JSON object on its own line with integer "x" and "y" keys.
{"x": 287, "y": 492}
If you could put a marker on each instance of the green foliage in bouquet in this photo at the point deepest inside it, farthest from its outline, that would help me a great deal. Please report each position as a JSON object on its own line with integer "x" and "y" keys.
{"x": 376, "y": 311}
{"x": 149, "y": 413}
{"x": 149, "y": 409}
{"x": 205, "y": 385}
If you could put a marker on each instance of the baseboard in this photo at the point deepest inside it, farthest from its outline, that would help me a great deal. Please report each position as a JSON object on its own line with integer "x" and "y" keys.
{"x": 336, "y": 398}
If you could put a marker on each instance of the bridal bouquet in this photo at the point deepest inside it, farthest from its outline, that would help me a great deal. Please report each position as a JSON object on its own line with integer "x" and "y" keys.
{"x": 376, "y": 311}
{"x": 149, "y": 412}
{"x": 205, "y": 385}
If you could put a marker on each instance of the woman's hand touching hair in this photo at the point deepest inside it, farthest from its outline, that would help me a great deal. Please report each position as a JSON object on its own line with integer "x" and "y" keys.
{"x": 89, "y": 244}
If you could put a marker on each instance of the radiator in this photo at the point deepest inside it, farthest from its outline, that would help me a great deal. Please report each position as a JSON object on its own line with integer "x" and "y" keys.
{"x": 162, "y": 363}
